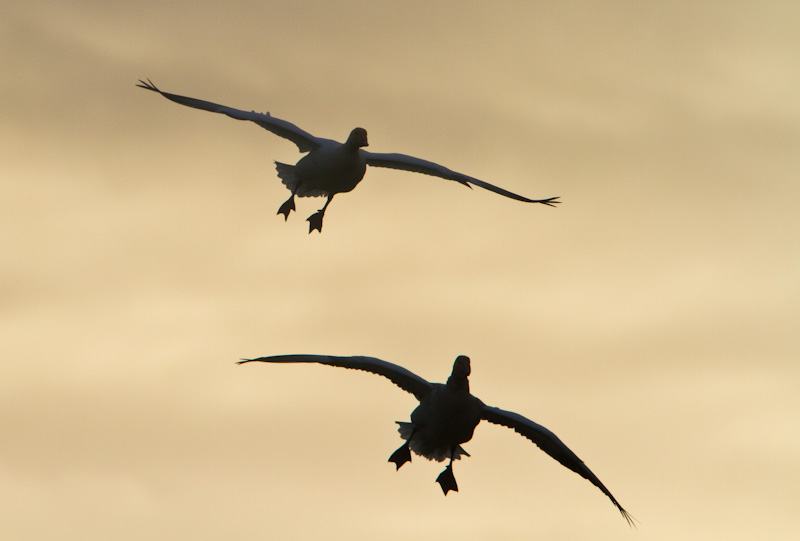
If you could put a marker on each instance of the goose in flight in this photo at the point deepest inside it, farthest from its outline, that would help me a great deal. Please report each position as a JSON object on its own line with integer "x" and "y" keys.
{"x": 331, "y": 167}
{"x": 447, "y": 416}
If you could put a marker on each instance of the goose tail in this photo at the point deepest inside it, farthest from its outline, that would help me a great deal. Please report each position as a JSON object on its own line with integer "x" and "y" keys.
{"x": 287, "y": 176}
{"x": 422, "y": 449}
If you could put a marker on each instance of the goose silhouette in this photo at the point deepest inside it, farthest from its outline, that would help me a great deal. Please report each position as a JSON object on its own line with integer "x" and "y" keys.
{"x": 447, "y": 416}
{"x": 331, "y": 167}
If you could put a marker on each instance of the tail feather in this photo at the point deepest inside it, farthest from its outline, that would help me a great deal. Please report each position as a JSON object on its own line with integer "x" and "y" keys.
{"x": 420, "y": 448}
{"x": 287, "y": 176}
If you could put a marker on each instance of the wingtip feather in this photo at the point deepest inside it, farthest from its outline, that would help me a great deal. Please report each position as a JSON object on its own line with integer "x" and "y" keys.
{"x": 551, "y": 202}
{"x": 148, "y": 85}
{"x": 630, "y": 519}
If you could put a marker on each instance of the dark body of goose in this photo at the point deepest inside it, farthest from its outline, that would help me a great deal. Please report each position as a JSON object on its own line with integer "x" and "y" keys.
{"x": 447, "y": 416}
{"x": 331, "y": 167}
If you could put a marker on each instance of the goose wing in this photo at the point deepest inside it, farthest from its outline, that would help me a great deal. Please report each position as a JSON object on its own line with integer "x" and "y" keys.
{"x": 550, "y": 444}
{"x": 417, "y": 165}
{"x": 304, "y": 140}
{"x": 405, "y": 379}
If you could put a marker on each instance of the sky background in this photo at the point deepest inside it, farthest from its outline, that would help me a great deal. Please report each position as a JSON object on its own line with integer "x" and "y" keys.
{"x": 650, "y": 321}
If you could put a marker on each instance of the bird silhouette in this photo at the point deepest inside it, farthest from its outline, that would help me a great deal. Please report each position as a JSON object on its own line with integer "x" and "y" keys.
{"x": 447, "y": 416}
{"x": 331, "y": 167}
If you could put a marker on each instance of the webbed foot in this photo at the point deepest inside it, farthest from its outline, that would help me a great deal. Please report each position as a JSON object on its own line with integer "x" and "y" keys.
{"x": 287, "y": 207}
{"x": 315, "y": 221}
{"x": 401, "y": 456}
{"x": 447, "y": 480}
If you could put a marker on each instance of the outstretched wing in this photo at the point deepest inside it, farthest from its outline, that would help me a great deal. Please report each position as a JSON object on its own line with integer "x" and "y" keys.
{"x": 304, "y": 140}
{"x": 417, "y": 165}
{"x": 405, "y": 379}
{"x": 550, "y": 444}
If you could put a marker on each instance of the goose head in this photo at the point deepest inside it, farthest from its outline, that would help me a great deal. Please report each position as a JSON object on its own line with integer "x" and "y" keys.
{"x": 459, "y": 377}
{"x": 357, "y": 138}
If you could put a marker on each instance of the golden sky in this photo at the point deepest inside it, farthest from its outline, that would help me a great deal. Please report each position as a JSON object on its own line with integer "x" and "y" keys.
{"x": 651, "y": 321}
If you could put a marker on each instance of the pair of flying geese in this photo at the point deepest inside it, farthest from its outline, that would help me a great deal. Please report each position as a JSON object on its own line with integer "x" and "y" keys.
{"x": 447, "y": 413}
